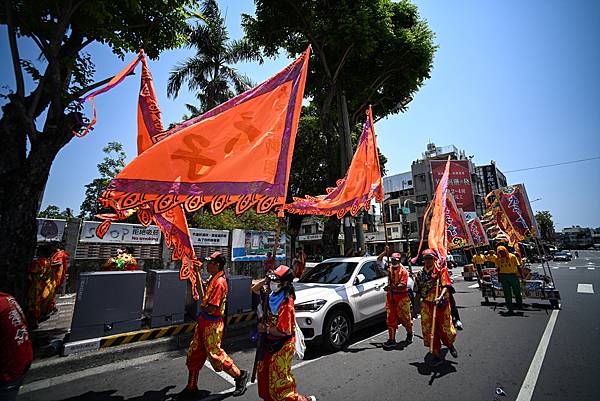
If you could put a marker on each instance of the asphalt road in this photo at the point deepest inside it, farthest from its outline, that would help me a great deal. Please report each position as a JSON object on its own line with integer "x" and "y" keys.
{"x": 494, "y": 352}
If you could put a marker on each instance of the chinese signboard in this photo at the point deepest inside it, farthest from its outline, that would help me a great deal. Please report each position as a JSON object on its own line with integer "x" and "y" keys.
{"x": 515, "y": 205}
{"x": 490, "y": 179}
{"x": 121, "y": 233}
{"x": 459, "y": 182}
{"x": 50, "y": 230}
{"x": 201, "y": 237}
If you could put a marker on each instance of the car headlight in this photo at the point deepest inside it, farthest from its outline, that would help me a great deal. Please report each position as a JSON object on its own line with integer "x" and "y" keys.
{"x": 310, "y": 306}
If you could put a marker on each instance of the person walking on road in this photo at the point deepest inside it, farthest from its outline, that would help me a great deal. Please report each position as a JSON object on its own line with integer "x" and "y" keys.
{"x": 206, "y": 343}
{"x": 426, "y": 282}
{"x": 507, "y": 266}
{"x": 397, "y": 303}
{"x": 275, "y": 379}
{"x": 299, "y": 263}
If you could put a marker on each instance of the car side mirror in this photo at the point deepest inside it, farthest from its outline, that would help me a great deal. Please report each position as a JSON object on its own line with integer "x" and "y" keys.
{"x": 359, "y": 279}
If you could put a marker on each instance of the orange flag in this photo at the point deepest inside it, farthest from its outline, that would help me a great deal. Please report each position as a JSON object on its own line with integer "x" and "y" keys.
{"x": 237, "y": 154}
{"x": 361, "y": 184}
{"x": 437, "y": 227}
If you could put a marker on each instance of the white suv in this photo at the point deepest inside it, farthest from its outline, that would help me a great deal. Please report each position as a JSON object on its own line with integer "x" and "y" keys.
{"x": 338, "y": 295}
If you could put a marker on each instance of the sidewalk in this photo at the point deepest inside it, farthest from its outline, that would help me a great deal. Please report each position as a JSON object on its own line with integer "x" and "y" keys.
{"x": 48, "y": 342}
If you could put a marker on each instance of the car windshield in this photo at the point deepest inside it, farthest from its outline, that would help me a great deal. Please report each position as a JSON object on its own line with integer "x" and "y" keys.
{"x": 329, "y": 273}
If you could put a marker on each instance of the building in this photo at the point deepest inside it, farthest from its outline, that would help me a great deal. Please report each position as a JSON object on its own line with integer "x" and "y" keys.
{"x": 579, "y": 237}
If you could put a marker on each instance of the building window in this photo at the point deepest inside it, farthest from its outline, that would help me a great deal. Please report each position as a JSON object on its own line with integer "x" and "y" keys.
{"x": 395, "y": 213}
{"x": 389, "y": 232}
{"x": 307, "y": 229}
{"x": 394, "y": 229}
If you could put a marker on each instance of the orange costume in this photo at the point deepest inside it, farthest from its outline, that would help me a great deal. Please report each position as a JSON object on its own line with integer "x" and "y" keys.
{"x": 275, "y": 379}
{"x": 397, "y": 303}
{"x": 425, "y": 284}
{"x": 39, "y": 286}
{"x": 206, "y": 343}
{"x": 60, "y": 258}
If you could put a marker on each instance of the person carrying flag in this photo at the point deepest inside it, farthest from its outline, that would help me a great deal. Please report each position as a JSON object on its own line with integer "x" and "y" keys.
{"x": 206, "y": 343}
{"x": 432, "y": 286}
{"x": 397, "y": 303}
{"x": 275, "y": 379}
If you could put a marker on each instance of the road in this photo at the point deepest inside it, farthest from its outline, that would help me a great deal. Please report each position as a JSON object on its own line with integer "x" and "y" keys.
{"x": 541, "y": 355}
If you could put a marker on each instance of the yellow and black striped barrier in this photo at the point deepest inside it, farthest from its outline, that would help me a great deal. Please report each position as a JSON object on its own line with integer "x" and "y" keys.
{"x": 159, "y": 332}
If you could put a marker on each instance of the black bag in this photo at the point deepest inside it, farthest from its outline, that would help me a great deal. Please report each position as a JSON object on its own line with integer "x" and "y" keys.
{"x": 272, "y": 346}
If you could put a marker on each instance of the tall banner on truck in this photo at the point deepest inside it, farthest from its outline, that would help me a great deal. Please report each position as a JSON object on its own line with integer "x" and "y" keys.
{"x": 515, "y": 205}
{"x": 478, "y": 233}
{"x": 459, "y": 182}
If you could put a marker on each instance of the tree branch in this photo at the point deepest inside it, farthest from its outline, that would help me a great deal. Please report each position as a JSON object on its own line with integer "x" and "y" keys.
{"x": 14, "y": 49}
{"x": 341, "y": 63}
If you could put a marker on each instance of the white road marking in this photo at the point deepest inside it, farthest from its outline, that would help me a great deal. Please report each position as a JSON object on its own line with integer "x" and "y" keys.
{"x": 590, "y": 263}
{"x": 585, "y": 288}
{"x": 304, "y": 363}
{"x": 555, "y": 267}
{"x": 536, "y": 364}
{"x": 222, "y": 375}
{"x": 54, "y": 381}
{"x": 572, "y": 268}
{"x": 474, "y": 285}
{"x": 591, "y": 268}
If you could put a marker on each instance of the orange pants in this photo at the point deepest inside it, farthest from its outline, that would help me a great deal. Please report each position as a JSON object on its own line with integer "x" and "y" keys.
{"x": 445, "y": 333}
{"x": 206, "y": 344}
{"x": 275, "y": 379}
{"x": 397, "y": 307}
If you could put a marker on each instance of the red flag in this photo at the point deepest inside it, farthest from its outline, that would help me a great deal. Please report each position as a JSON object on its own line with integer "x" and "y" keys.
{"x": 478, "y": 233}
{"x": 457, "y": 233}
{"x": 361, "y": 184}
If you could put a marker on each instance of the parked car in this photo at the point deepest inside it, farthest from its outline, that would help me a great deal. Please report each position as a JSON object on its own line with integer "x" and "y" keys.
{"x": 337, "y": 296}
{"x": 562, "y": 256}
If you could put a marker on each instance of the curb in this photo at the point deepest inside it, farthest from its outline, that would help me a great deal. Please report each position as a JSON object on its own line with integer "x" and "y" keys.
{"x": 90, "y": 353}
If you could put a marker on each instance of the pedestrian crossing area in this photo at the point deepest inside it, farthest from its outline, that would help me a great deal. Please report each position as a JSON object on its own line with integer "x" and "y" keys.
{"x": 567, "y": 267}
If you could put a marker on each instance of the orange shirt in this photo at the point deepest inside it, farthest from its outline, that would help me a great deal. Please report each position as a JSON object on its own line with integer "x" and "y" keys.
{"x": 399, "y": 279}
{"x": 216, "y": 293}
{"x": 284, "y": 320}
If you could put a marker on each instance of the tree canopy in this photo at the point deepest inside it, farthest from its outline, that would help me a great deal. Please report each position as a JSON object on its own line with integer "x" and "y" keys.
{"x": 53, "y": 212}
{"x": 546, "y": 225}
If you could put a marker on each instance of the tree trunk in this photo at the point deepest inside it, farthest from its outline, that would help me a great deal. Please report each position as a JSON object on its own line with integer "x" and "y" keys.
{"x": 23, "y": 179}
{"x": 331, "y": 233}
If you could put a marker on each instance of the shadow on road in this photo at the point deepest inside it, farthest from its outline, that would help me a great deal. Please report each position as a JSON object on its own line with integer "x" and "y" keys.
{"x": 424, "y": 368}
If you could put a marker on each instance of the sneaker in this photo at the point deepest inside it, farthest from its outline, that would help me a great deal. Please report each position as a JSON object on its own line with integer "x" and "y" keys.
{"x": 453, "y": 352}
{"x": 458, "y": 324}
{"x": 187, "y": 394}
{"x": 409, "y": 337}
{"x": 311, "y": 398}
{"x": 240, "y": 384}
{"x": 389, "y": 344}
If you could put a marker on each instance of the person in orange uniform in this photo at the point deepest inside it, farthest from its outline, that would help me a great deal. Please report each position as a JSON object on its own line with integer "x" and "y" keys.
{"x": 206, "y": 343}
{"x": 425, "y": 288}
{"x": 397, "y": 303}
{"x": 275, "y": 379}
{"x": 60, "y": 258}
{"x": 36, "y": 284}
{"x": 299, "y": 263}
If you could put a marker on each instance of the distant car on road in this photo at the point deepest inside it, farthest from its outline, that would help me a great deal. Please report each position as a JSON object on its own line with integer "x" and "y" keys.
{"x": 562, "y": 256}
{"x": 337, "y": 296}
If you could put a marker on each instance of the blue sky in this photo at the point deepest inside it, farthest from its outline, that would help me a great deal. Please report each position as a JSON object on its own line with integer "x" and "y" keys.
{"x": 513, "y": 81}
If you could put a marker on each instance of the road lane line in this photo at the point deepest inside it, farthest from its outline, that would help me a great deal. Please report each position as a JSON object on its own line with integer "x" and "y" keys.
{"x": 528, "y": 386}
{"x": 591, "y": 268}
{"x": 222, "y": 375}
{"x": 304, "y": 363}
{"x": 54, "y": 381}
{"x": 474, "y": 285}
{"x": 572, "y": 268}
{"x": 585, "y": 288}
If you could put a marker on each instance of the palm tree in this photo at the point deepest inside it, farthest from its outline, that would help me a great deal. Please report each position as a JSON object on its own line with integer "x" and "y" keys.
{"x": 209, "y": 72}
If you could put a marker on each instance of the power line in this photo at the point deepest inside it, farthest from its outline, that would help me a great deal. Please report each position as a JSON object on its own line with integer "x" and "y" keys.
{"x": 555, "y": 164}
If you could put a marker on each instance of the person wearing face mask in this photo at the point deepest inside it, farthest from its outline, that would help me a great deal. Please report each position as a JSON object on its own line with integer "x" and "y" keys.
{"x": 206, "y": 343}
{"x": 280, "y": 342}
{"x": 507, "y": 266}
{"x": 426, "y": 282}
{"x": 397, "y": 303}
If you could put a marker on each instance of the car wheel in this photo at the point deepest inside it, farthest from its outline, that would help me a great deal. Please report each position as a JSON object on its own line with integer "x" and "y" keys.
{"x": 337, "y": 330}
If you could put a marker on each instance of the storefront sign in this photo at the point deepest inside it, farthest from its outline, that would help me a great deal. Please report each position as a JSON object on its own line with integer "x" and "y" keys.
{"x": 201, "y": 237}
{"x": 50, "y": 230}
{"x": 121, "y": 233}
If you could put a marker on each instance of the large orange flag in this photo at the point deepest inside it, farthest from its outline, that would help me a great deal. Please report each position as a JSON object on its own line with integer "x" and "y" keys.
{"x": 237, "y": 154}
{"x": 437, "y": 226}
{"x": 361, "y": 184}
